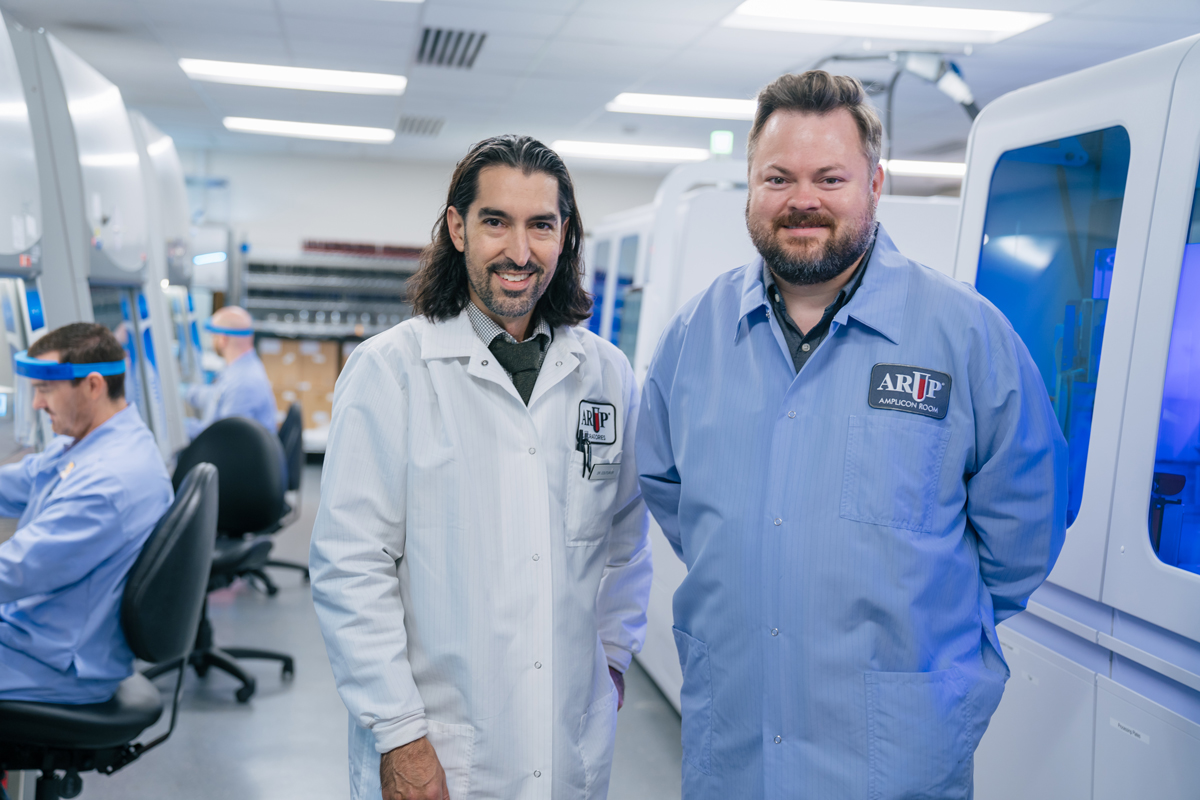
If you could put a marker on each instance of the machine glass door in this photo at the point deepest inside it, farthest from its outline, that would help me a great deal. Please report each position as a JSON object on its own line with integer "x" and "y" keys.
{"x": 112, "y": 307}
{"x": 627, "y": 260}
{"x": 1173, "y": 519}
{"x": 1046, "y": 261}
{"x": 14, "y": 342}
{"x": 599, "y": 273}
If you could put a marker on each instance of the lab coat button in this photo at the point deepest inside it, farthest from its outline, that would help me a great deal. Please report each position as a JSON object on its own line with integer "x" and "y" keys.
{"x": 778, "y": 739}
{"x": 778, "y": 522}
{"x": 791, "y": 415}
{"x": 484, "y": 362}
{"x": 774, "y": 631}
{"x": 537, "y": 665}
{"x": 532, "y": 451}
{"x": 537, "y": 773}
{"x": 558, "y": 363}
{"x": 536, "y": 557}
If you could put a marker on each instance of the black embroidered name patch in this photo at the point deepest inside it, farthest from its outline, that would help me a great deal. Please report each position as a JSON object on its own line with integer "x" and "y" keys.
{"x": 916, "y": 390}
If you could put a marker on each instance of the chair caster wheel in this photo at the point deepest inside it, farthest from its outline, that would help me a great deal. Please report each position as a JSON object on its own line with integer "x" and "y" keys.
{"x": 201, "y": 670}
{"x": 289, "y": 672}
{"x": 244, "y": 693}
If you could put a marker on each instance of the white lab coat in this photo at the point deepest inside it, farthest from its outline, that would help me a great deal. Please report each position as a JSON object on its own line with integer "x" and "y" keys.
{"x": 471, "y": 584}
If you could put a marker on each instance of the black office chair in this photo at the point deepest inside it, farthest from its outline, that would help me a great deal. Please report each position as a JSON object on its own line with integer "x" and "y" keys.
{"x": 249, "y": 462}
{"x": 291, "y": 436}
{"x": 164, "y": 593}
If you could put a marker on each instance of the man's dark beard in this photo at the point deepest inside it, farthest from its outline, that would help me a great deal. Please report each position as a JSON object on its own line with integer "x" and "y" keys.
{"x": 503, "y": 304}
{"x": 835, "y": 257}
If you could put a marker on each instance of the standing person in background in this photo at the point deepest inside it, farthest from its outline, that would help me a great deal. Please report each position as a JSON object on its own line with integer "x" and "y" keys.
{"x": 243, "y": 388}
{"x": 856, "y": 458}
{"x": 480, "y": 561}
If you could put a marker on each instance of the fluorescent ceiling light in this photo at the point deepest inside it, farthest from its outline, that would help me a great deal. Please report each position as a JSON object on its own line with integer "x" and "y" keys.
{"x": 628, "y": 152}
{"x": 673, "y": 105}
{"x": 883, "y": 20}
{"x": 310, "y": 130}
{"x": 925, "y": 169}
{"x": 208, "y": 258}
{"x": 313, "y": 80}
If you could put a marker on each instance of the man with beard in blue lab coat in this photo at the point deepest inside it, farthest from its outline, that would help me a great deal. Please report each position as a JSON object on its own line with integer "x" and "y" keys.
{"x": 856, "y": 458}
{"x": 243, "y": 388}
{"x": 87, "y": 504}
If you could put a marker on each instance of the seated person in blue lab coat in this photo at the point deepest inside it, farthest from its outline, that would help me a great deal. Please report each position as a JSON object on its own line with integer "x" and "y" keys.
{"x": 87, "y": 504}
{"x": 857, "y": 460}
{"x": 243, "y": 388}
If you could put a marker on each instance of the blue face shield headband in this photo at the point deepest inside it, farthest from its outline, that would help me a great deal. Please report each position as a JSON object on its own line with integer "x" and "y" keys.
{"x": 41, "y": 370}
{"x": 208, "y": 326}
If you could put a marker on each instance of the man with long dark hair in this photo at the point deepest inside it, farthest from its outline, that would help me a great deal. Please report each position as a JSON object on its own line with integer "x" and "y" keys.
{"x": 480, "y": 560}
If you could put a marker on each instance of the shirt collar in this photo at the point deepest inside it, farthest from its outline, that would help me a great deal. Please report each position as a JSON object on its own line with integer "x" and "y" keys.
{"x": 487, "y": 330}
{"x": 878, "y": 301}
{"x": 843, "y": 295}
{"x": 119, "y": 424}
{"x": 456, "y": 338}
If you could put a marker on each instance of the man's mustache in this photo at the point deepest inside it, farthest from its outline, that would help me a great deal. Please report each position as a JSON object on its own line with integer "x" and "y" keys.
{"x": 508, "y": 265}
{"x": 801, "y": 219}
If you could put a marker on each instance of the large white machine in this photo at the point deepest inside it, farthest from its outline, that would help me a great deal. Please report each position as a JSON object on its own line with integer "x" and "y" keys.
{"x": 106, "y": 241}
{"x": 1080, "y": 222}
{"x": 645, "y": 263}
{"x": 20, "y": 240}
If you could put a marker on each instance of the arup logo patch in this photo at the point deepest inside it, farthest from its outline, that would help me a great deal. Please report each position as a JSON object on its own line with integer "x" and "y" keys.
{"x": 916, "y": 390}
{"x": 598, "y": 422}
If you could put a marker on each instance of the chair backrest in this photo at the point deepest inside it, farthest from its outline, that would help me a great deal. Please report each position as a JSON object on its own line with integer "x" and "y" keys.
{"x": 165, "y": 589}
{"x": 249, "y": 462}
{"x": 291, "y": 436}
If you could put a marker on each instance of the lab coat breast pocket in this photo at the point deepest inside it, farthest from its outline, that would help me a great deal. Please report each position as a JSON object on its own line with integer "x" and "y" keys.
{"x": 892, "y": 471}
{"x": 589, "y": 507}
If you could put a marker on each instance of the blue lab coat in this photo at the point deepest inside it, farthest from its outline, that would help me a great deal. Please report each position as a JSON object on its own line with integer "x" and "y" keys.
{"x": 86, "y": 508}
{"x": 847, "y": 562}
{"x": 241, "y": 390}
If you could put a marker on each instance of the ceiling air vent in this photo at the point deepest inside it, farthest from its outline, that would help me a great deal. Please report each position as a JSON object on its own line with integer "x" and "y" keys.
{"x": 420, "y": 126}
{"x": 446, "y": 48}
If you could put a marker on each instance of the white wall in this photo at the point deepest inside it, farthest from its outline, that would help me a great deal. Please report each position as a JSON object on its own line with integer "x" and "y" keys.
{"x": 280, "y": 200}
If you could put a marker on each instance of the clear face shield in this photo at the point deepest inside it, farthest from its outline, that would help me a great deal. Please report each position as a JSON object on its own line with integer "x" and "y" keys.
{"x": 32, "y": 373}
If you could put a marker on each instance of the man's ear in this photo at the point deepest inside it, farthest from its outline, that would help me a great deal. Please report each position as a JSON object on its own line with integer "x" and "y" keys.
{"x": 457, "y": 226}
{"x": 96, "y": 385}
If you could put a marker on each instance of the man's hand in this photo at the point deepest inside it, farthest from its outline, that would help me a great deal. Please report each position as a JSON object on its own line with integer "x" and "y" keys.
{"x": 619, "y": 681}
{"x": 413, "y": 772}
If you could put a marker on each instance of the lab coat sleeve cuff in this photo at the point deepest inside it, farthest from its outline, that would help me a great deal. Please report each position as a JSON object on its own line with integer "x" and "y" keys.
{"x": 395, "y": 733}
{"x": 618, "y": 657}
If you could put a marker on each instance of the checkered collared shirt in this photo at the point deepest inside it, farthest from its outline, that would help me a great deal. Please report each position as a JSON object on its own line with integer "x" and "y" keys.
{"x": 487, "y": 330}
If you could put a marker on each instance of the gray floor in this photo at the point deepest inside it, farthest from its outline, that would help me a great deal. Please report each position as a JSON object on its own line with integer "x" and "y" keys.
{"x": 289, "y": 741}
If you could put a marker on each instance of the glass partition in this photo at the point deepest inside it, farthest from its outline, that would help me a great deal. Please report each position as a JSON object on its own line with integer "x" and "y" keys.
{"x": 1174, "y": 514}
{"x": 112, "y": 308}
{"x": 1047, "y": 261}
{"x": 599, "y": 280}
{"x": 627, "y": 255}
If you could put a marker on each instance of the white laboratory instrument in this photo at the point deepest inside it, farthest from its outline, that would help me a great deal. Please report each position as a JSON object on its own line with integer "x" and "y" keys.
{"x": 20, "y": 240}
{"x": 1081, "y": 223}
{"x": 97, "y": 246}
